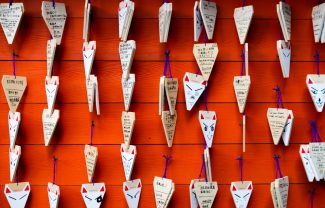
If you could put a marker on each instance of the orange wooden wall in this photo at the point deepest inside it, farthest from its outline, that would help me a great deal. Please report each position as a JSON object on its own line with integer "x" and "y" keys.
{"x": 74, "y": 125}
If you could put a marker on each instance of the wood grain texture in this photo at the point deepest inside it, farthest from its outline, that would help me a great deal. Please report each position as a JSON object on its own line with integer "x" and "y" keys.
{"x": 73, "y": 129}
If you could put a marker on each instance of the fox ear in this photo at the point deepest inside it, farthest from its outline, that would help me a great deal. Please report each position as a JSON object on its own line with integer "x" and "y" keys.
{"x": 84, "y": 190}
{"x": 250, "y": 187}
{"x": 122, "y": 149}
{"x": 55, "y": 82}
{"x": 214, "y": 117}
{"x": 102, "y": 189}
{"x": 309, "y": 81}
{"x": 139, "y": 185}
{"x": 27, "y": 188}
{"x": 126, "y": 188}
{"x": 204, "y": 83}
{"x": 234, "y": 188}
{"x": 84, "y": 48}
{"x": 8, "y": 191}
{"x": 9, "y": 116}
{"x": 187, "y": 79}
{"x": 132, "y": 152}
{"x": 17, "y": 118}
{"x": 202, "y": 117}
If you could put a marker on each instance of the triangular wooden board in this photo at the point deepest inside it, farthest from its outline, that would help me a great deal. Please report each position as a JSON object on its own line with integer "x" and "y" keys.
{"x": 128, "y": 154}
{"x": 122, "y": 17}
{"x": 127, "y": 88}
{"x": 169, "y": 124}
{"x": 207, "y": 162}
{"x": 209, "y": 15}
{"x": 208, "y": 120}
{"x": 91, "y": 154}
{"x": 126, "y": 10}
{"x": 17, "y": 194}
{"x": 51, "y": 87}
{"x": 284, "y": 15}
{"x": 53, "y": 192}
{"x": 171, "y": 88}
{"x": 88, "y": 51}
{"x": 198, "y": 22}
{"x": 282, "y": 190}
{"x": 92, "y": 93}
{"x": 14, "y": 88}
{"x": 316, "y": 88}
{"x": 87, "y": 11}
{"x": 277, "y": 118}
{"x": 287, "y": 129}
{"x": 206, "y": 193}
{"x": 161, "y": 94}
{"x": 132, "y": 192}
{"x": 205, "y": 55}
{"x": 165, "y": 12}
{"x": 127, "y": 51}
{"x": 274, "y": 197}
{"x": 241, "y": 192}
{"x": 317, "y": 155}
{"x": 50, "y": 51}
{"x": 243, "y": 17}
{"x": 128, "y": 121}
{"x": 306, "y": 161}
{"x": 241, "y": 86}
{"x": 54, "y": 18}
{"x": 14, "y": 123}
{"x": 193, "y": 199}
{"x": 318, "y": 18}
{"x": 93, "y": 194}
{"x": 49, "y": 121}
{"x": 14, "y": 157}
{"x": 284, "y": 53}
{"x": 11, "y": 16}
{"x": 194, "y": 85}
{"x": 163, "y": 188}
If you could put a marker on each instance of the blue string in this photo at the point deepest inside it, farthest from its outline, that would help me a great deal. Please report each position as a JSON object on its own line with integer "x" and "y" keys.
{"x": 167, "y": 64}
{"x": 53, "y": 4}
{"x": 279, "y": 100}
{"x": 317, "y": 62}
{"x": 278, "y": 170}
{"x": 240, "y": 159}
{"x": 167, "y": 160}
{"x": 315, "y": 135}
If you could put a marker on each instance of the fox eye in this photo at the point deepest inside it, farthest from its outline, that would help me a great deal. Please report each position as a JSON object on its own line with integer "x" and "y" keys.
{"x": 99, "y": 199}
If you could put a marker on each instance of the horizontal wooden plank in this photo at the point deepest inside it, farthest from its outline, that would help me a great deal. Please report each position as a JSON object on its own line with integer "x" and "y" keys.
{"x": 36, "y": 162}
{"x": 181, "y": 8}
{"x": 264, "y": 77}
{"x": 70, "y": 196}
{"x": 261, "y": 38}
{"x": 74, "y": 124}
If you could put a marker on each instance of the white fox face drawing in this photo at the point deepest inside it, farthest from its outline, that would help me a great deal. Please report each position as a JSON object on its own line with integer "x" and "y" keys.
{"x": 51, "y": 86}
{"x": 93, "y": 194}
{"x": 306, "y": 161}
{"x": 17, "y": 194}
{"x": 132, "y": 192}
{"x": 194, "y": 85}
{"x": 14, "y": 156}
{"x": 128, "y": 158}
{"x": 53, "y": 194}
{"x": 316, "y": 87}
{"x": 208, "y": 122}
{"x": 88, "y": 52}
{"x": 241, "y": 193}
{"x": 14, "y": 122}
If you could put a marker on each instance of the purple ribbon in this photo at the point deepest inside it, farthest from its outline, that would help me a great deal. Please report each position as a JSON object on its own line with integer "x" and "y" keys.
{"x": 14, "y": 64}
{"x": 278, "y": 170}
{"x": 317, "y": 62}
{"x": 205, "y": 170}
{"x": 10, "y": 3}
{"x": 54, "y": 168}
{"x": 166, "y": 164}
{"x": 242, "y": 55}
{"x": 205, "y": 37}
{"x": 312, "y": 194}
{"x": 279, "y": 100}
{"x": 240, "y": 159}
{"x": 197, "y": 71}
{"x": 201, "y": 167}
{"x": 53, "y": 4}
{"x": 315, "y": 135}
{"x": 244, "y": 3}
{"x": 281, "y": 34}
{"x": 167, "y": 64}
{"x": 92, "y": 132}
{"x": 205, "y": 98}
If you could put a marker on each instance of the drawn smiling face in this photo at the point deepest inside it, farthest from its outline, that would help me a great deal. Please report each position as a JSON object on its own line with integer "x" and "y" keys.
{"x": 317, "y": 92}
{"x": 128, "y": 157}
{"x": 53, "y": 194}
{"x": 132, "y": 192}
{"x": 17, "y": 194}
{"x": 208, "y": 122}
{"x": 241, "y": 195}
{"x": 306, "y": 161}
{"x": 93, "y": 194}
{"x": 13, "y": 121}
{"x": 193, "y": 90}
